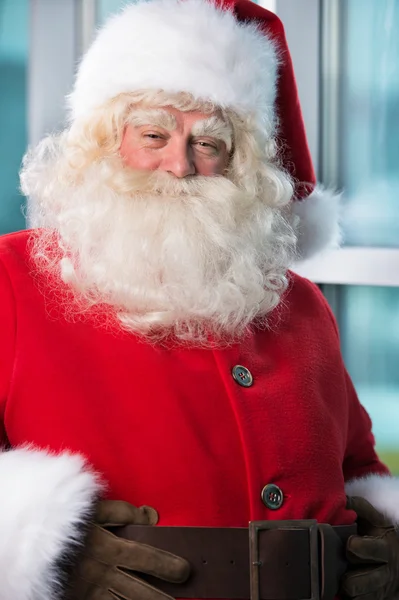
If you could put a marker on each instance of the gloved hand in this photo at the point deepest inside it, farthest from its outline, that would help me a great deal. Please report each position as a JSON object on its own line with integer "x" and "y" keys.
{"x": 374, "y": 554}
{"x": 109, "y": 566}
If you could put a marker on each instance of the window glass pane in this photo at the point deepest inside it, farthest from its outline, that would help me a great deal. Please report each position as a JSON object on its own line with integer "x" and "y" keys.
{"x": 105, "y": 8}
{"x": 369, "y": 145}
{"x": 369, "y": 324}
{"x": 13, "y": 107}
{"x": 269, "y": 4}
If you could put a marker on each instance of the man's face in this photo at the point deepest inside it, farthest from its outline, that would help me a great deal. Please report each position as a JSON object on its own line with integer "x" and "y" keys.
{"x": 157, "y": 234}
{"x": 176, "y": 142}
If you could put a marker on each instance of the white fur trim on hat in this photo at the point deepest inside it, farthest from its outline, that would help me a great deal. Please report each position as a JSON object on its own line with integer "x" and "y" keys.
{"x": 44, "y": 500}
{"x": 382, "y": 491}
{"x": 180, "y": 46}
{"x": 317, "y": 225}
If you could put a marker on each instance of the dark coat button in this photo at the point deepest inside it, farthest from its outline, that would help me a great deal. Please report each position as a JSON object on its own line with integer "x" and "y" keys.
{"x": 242, "y": 376}
{"x": 272, "y": 496}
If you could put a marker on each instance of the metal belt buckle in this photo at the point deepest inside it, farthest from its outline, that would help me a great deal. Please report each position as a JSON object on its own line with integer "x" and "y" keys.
{"x": 255, "y": 563}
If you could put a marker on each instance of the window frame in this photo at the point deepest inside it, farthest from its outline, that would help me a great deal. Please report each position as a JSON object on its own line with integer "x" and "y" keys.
{"x": 316, "y": 65}
{"x": 59, "y": 33}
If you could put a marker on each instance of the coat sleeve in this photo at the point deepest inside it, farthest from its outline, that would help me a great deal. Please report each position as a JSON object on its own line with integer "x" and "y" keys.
{"x": 361, "y": 459}
{"x": 364, "y": 473}
{"x": 45, "y": 499}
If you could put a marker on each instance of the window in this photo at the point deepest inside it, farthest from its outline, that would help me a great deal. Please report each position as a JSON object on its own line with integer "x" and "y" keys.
{"x": 39, "y": 47}
{"x": 105, "y": 8}
{"x": 359, "y": 153}
{"x": 14, "y": 17}
{"x": 369, "y": 323}
{"x": 369, "y": 146}
{"x": 368, "y": 168}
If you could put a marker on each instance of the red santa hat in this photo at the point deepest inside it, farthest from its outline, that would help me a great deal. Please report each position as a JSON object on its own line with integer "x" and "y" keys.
{"x": 231, "y": 52}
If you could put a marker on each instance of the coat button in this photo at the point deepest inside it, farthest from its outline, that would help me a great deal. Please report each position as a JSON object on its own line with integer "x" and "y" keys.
{"x": 242, "y": 376}
{"x": 272, "y": 496}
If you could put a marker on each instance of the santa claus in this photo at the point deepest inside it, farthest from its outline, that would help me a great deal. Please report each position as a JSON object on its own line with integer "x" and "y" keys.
{"x": 157, "y": 352}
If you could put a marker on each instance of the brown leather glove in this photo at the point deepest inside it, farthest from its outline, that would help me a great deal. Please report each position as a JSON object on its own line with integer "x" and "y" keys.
{"x": 374, "y": 555}
{"x": 109, "y": 567}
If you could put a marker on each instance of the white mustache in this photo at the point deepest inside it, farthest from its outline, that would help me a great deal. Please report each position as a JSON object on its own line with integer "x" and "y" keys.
{"x": 164, "y": 184}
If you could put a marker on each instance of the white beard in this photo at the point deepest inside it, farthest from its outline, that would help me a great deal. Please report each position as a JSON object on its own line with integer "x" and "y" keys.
{"x": 199, "y": 258}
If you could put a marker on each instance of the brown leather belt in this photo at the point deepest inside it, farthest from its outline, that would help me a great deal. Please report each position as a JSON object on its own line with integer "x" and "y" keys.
{"x": 271, "y": 560}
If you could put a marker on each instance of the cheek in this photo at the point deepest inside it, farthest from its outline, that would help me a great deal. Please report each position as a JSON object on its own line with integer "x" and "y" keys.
{"x": 135, "y": 157}
{"x": 223, "y": 163}
{"x": 214, "y": 166}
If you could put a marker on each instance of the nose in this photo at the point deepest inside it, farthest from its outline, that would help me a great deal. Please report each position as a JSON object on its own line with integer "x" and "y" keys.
{"x": 178, "y": 160}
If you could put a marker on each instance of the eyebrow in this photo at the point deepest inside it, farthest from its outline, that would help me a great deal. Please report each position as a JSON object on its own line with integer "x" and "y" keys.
{"x": 155, "y": 117}
{"x": 215, "y": 127}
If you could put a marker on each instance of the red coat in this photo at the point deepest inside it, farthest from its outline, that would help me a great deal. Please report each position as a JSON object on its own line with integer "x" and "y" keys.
{"x": 170, "y": 427}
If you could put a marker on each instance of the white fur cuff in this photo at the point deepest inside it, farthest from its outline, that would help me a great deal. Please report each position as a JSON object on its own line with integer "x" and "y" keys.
{"x": 382, "y": 491}
{"x": 44, "y": 500}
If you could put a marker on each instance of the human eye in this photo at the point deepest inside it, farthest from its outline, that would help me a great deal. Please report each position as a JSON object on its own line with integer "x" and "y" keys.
{"x": 153, "y": 136}
{"x": 206, "y": 146}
